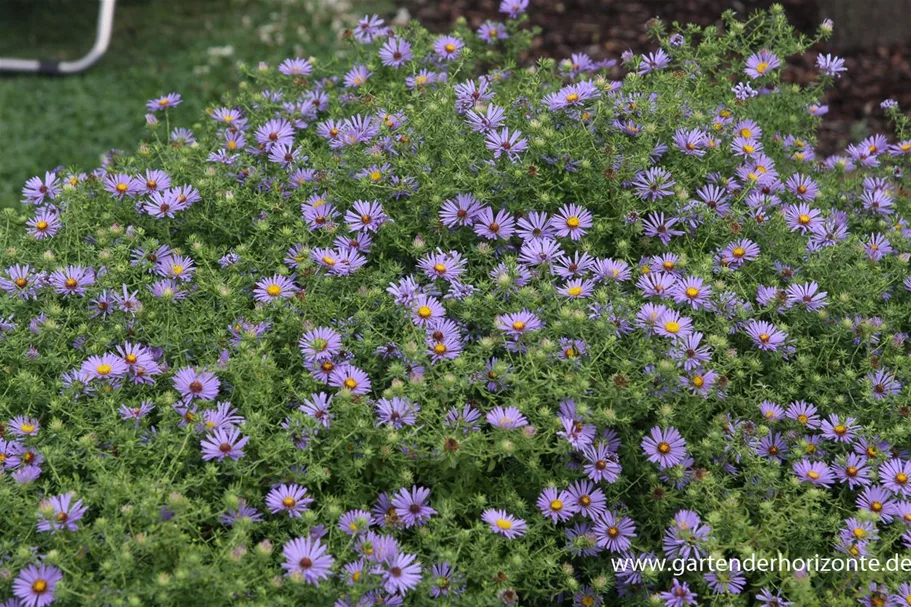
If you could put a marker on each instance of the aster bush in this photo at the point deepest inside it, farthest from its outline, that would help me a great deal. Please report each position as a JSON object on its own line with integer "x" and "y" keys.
{"x": 422, "y": 325}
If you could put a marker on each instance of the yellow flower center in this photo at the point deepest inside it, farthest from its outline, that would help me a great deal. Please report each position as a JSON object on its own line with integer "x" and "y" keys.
{"x": 424, "y": 312}
{"x": 177, "y": 269}
{"x": 273, "y": 290}
{"x": 450, "y": 48}
{"x": 698, "y": 381}
{"x": 375, "y": 175}
{"x": 762, "y": 67}
{"x": 574, "y": 291}
{"x": 103, "y": 369}
{"x": 901, "y": 478}
{"x": 39, "y": 586}
{"x": 27, "y": 428}
{"x": 803, "y": 219}
{"x": 122, "y": 187}
{"x": 692, "y": 292}
{"x": 556, "y": 505}
{"x": 518, "y": 325}
{"x": 329, "y": 261}
{"x": 440, "y": 349}
{"x": 739, "y": 252}
{"x": 351, "y": 383}
{"x": 41, "y": 226}
{"x": 131, "y": 358}
{"x": 672, "y": 327}
{"x": 572, "y": 98}
{"x": 664, "y": 448}
{"x": 502, "y": 523}
{"x": 572, "y": 222}
{"x": 289, "y": 502}
{"x": 813, "y": 474}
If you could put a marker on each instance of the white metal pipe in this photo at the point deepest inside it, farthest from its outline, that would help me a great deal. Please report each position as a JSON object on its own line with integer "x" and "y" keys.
{"x": 102, "y": 41}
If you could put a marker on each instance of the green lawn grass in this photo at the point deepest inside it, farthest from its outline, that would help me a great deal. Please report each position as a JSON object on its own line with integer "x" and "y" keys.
{"x": 159, "y": 46}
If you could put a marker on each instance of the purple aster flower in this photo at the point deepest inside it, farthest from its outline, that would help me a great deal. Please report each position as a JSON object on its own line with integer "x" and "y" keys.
{"x": 513, "y": 8}
{"x": 571, "y": 96}
{"x": 830, "y": 65}
{"x": 729, "y": 581}
{"x": 24, "y": 426}
{"x": 370, "y": 27}
{"x": 852, "y": 470}
{"x": 274, "y": 288}
{"x": 503, "y": 141}
{"x": 614, "y": 531}
{"x": 654, "y": 61}
{"x": 679, "y": 595}
{"x": 192, "y": 383}
{"x": 163, "y": 103}
{"x": 72, "y": 280}
{"x": 34, "y": 586}
{"x": 291, "y": 498}
{"x": 446, "y": 581}
{"x": 357, "y": 76}
{"x": 664, "y": 447}
{"x": 396, "y": 412}
{"x": 243, "y": 512}
{"x": 771, "y": 446}
{"x": 121, "y": 185}
{"x": 275, "y": 132}
{"x": 771, "y": 411}
{"x": 366, "y": 216}
{"x": 355, "y": 522}
{"x": 769, "y": 598}
{"x": 395, "y": 52}
{"x": 503, "y": 523}
{"x": 492, "y": 31}
{"x": 765, "y": 335}
{"x": 308, "y": 558}
{"x": 653, "y": 184}
{"x": 461, "y": 211}
{"x": 557, "y": 505}
{"x": 690, "y": 141}
{"x": 45, "y": 223}
{"x": 350, "y": 378}
{"x": 671, "y": 324}
{"x": 447, "y": 47}
{"x": 518, "y": 324}
{"x": 817, "y": 473}
{"x": 761, "y": 63}
{"x": 60, "y": 512}
{"x": 411, "y": 506}
{"x": 106, "y": 367}
{"x": 841, "y": 431}
{"x": 590, "y": 500}
{"x": 494, "y": 227}
{"x": 883, "y": 384}
{"x": 224, "y": 442}
{"x": 37, "y": 190}
{"x": 802, "y": 186}
{"x": 136, "y": 413}
{"x": 807, "y": 295}
{"x": 296, "y": 67}
{"x": 400, "y": 572}
{"x": 877, "y": 247}
{"x": 506, "y": 418}
{"x": 321, "y": 343}
{"x": 895, "y": 475}
{"x": 571, "y": 220}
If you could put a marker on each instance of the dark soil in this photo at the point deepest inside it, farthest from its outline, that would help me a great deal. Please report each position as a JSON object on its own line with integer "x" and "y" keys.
{"x": 606, "y": 28}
